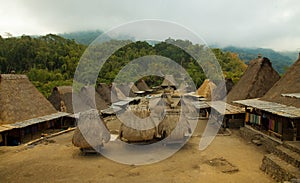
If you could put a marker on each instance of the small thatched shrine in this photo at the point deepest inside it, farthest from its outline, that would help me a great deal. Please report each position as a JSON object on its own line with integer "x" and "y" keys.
{"x": 255, "y": 82}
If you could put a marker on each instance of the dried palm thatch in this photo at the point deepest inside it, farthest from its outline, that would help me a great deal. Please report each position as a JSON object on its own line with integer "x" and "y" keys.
{"x": 169, "y": 81}
{"x": 289, "y": 83}
{"x": 105, "y": 92}
{"x": 116, "y": 94}
{"x": 128, "y": 89}
{"x": 133, "y": 130}
{"x": 62, "y": 94}
{"x": 174, "y": 126}
{"x": 142, "y": 86}
{"x": 223, "y": 89}
{"x": 255, "y": 82}
{"x": 90, "y": 97}
{"x": 20, "y": 100}
{"x": 91, "y": 131}
{"x": 206, "y": 89}
{"x": 133, "y": 87}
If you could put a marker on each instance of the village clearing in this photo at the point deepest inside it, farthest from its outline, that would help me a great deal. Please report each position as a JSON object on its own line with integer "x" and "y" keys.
{"x": 227, "y": 159}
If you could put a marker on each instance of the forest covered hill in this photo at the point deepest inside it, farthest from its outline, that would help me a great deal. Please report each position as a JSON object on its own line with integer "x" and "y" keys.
{"x": 51, "y": 60}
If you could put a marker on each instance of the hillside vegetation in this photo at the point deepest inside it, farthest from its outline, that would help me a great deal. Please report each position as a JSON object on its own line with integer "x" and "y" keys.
{"x": 51, "y": 60}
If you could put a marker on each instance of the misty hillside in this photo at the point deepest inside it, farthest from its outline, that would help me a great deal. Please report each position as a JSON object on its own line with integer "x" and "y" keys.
{"x": 87, "y": 37}
{"x": 291, "y": 54}
{"x": 82, "y": 37}
{"x": 279, "y": 61}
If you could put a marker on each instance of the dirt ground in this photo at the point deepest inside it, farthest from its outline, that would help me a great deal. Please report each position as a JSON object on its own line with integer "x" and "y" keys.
{"x": 227, "y": 159}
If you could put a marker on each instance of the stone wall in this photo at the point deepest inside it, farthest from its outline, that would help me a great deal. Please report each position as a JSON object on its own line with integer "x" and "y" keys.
{"x": 277, "y": 172}
{"x": 263, "y": 140}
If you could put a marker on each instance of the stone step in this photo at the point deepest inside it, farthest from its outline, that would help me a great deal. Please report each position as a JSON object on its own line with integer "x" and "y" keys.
{"x": 292, "y": 145}
{"x": 288, "y": 155}
{"x": 279, "y": 169}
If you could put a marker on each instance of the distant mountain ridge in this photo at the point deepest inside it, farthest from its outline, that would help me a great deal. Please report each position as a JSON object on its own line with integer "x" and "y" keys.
{"x": 280, "y": 61}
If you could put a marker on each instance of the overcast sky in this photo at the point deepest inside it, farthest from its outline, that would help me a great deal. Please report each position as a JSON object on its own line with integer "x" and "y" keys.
{"x": 254, "y": 23}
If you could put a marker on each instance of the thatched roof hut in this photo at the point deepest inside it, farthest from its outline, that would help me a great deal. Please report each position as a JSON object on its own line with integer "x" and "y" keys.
{"x": 142, "y": 86}
{"x": 116, "y": 93}
{"x": 206, "y": 89}
{"x": 169, "y": 81}
{"x": 128, "y": 89}
{"x": 174, "y": 126}
{"x": 289, "y": 83}
{"x": 255, "y": 82}
{"x": 90, "y": 97}
{"x": 91, "y": 131}
{"x": 20, "y": 100}
{"x": 105, "y": 92}
{"x": 62, "y": 99}
{"x": 219, "y": 92}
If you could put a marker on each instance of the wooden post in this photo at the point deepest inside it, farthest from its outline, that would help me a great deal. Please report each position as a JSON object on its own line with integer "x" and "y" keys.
{"x": 294, "y": 130}
{"x": 245, "y": 115}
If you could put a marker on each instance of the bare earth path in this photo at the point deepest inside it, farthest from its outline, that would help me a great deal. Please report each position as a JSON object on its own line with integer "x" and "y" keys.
{"x": 62, "y": 162}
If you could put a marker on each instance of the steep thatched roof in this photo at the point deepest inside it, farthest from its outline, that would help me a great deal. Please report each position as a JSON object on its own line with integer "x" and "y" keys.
{"x": 206, "y": 89}
{"x": 255, "y": 82}
{"x": 133, "y": 87}
{"x": 289, "y": 83}
{"x": 59, "y": 94}
{"x": 169, "y": 81}
{"x": 116, "y": 94}
{"x": 20, "y": 100}
{"x": 87, "y": 98}
{"x": 128, "y": 89}
{"x": 84, "y": 98}
{"x": 105, "y": 92}
{"x": 142, "y": 85}
{"x": 220, "y": 89}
